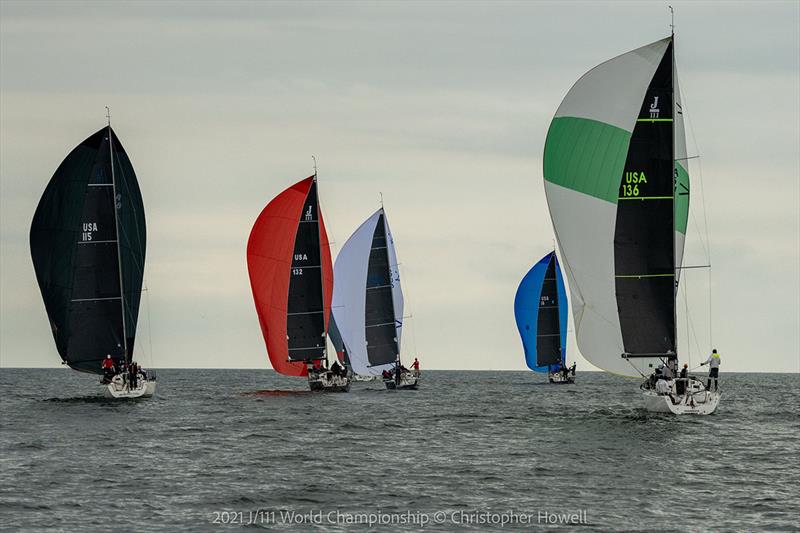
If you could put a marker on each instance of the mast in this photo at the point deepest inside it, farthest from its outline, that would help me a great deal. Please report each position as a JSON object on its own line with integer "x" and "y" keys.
{"x": 674, "y": 193}
{"x": 321, "y": 273}
{"x": 391, "y": 281}
{"x": 116, "y": 231}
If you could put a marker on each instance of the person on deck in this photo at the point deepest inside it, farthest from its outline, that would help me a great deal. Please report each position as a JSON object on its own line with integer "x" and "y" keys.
{"x": 666, "y": 371}
{"x": 336, "y": 368}
{"x": 317, "y": 366}
{"x": 680, "y": 385}
{"x": 663, "y": 388}
{"x": 109, "y": 370}
{"x": 713, "y": 363}
{"x": 132, "y": 371}
{"x": 573, "y": 367}
{"x": 415, "y": 366}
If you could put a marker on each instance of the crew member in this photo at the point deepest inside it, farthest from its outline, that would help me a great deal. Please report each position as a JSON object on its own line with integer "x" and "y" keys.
{"x": 108, "y": 369}
{"x": 680, "y": 385}
{"x": 132, "y": 370}
{"x": 415, "y": 366}
{"x": 713, "y": 363}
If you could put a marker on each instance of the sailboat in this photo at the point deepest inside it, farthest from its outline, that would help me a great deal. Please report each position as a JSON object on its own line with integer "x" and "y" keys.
{"x": 88, "y": 247}
{"x": 289, "y": 261}
{"x": 617, "y": 186}
{"x": 368, "y": 303}
{"x": 540, "y": 309}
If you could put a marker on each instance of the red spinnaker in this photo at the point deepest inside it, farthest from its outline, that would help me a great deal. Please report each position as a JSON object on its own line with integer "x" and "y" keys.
{"x": 269, "y": 262}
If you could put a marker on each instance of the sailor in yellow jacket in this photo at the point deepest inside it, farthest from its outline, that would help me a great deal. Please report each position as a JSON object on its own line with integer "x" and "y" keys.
{"x": 713, "y": 363}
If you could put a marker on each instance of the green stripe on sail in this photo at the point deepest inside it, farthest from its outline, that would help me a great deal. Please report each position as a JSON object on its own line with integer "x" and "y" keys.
{"x": 586, "y": 156}
{"x": 682, "y": 199}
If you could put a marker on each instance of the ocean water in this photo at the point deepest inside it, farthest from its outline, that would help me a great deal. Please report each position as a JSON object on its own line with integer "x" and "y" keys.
{"x": 233, "y": 449}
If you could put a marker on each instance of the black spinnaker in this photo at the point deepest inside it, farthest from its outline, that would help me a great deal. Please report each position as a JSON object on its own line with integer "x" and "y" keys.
{"x": 88, "y": 248}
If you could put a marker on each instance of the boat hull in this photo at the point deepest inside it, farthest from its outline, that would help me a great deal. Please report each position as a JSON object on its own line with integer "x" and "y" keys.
{"x": 559, "y": 379}
{"x": 118, "y": 389}
{"x": 328, "y": 383}
{"x": 409, "y": 382}
{"x": 697, "y": 401}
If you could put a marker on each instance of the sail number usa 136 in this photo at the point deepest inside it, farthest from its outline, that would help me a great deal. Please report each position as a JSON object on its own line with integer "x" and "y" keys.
{"x": 631, "y": 183}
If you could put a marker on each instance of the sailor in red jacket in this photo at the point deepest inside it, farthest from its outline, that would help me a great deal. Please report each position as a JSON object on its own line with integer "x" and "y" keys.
{"x": 415, "y": 366}
{"x": 108, "y": 364}
{"x": 109, "y": 369}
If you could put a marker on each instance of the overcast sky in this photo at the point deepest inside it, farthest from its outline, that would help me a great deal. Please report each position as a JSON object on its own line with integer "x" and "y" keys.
{"x": 442, "y": 107}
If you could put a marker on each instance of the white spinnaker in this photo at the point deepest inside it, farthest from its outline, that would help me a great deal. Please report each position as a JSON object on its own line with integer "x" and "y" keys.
{"x": 613, "y": 91}
{"x": 584, "y": 224}
{"x": 350, "y": 293}
{"x": 585, "y": 233}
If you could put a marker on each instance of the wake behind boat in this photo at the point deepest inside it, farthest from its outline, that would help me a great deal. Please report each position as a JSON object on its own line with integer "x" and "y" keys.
{"x": 88, "y": 249}
{"x": 617, "y": 187}
{"x": 540, "y": 310}
{"x": 368, "y": 303}
{"x": 289, "y": 262}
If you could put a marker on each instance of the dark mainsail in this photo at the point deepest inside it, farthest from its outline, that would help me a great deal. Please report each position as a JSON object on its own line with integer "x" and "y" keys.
{"x": 548, "y": 327}
{"x": 381, "y": 329}
{"x": 305, "y": 318}
{"x": 644, "y": 241}
{"x": 82, "y": 250}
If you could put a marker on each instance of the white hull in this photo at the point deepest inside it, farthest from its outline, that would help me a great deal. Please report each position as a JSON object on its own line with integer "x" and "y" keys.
{"x": 697, "y": 401}
{"x": 408, "y": 380}
{"x": 118, "y": 389}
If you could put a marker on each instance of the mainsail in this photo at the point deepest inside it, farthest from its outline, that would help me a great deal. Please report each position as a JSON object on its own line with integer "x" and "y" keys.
{"x": 289, "y": 261}
{"x": 367, "y": 297}
{"x": 540, "y": 309}
{"x": 88, "y": 248}
{"x": 618, "y": 192}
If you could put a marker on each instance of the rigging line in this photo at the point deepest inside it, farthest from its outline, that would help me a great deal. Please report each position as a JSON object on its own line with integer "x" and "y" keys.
{"x": 691, "y": 332}
{"x": 705, "y": 221}
{"x": 685, "y": 283}
{"x": 149, "y": 326}
{"x": 634, "y": 367}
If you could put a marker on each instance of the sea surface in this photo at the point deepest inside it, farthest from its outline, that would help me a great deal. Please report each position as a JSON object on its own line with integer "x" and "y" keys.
{"x": 249, "y": 449}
